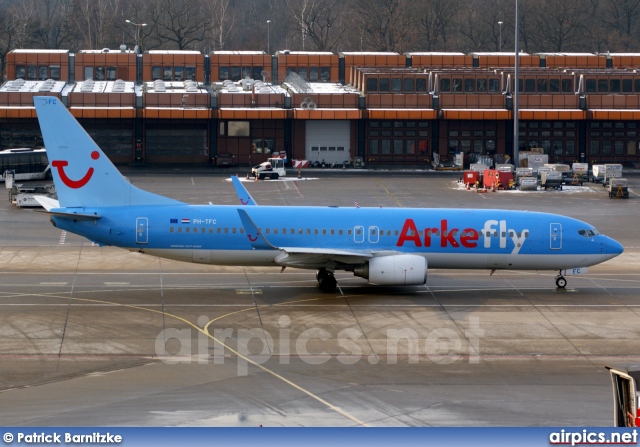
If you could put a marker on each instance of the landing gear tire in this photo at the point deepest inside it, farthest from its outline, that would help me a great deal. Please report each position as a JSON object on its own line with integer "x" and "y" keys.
{"x": 561, "y": 282}
{"x": 326, "y": 281}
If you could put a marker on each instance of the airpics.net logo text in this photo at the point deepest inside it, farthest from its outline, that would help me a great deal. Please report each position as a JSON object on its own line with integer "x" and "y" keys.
{"x": 317, "y": 345}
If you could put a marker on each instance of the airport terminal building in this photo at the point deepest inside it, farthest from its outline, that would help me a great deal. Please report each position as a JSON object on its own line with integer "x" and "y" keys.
{"x": 184, "y": 107}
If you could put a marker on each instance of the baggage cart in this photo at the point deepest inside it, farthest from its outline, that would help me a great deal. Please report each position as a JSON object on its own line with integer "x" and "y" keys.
{"x": 618, "y": 187}
{"x": 611, "y": 171}
{"x": 597, "y": 174}
{"x": 551, "y": 179}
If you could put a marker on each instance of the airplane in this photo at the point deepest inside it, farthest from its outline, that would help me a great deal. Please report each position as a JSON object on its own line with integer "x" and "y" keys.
{"x": 386, "y": 246}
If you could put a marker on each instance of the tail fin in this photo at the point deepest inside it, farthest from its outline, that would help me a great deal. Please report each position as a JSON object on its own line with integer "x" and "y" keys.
{"x": 82, "y": 173}
{"x": 242, "y": 193}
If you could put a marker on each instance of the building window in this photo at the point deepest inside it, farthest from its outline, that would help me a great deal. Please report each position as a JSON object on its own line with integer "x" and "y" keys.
{"x": 178, "y": 74}
{"x": 54, "y": 72}
{"x": 156, "y": 73}
{"x": 190, "y": 73}
{"x": 325, "y": 74}
{"x": 372, "y": 85}
{"x": 313, "y": 74}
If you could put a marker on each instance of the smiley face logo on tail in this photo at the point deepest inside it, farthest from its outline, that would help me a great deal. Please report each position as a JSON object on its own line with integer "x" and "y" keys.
{"x": 74, "y": 184}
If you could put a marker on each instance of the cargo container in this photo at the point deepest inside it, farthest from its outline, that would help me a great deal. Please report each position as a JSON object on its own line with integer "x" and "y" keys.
{"x": 611, "y": 171}
{"x": 618, "y": 187}
{"x": 528, "y": 184}
{"x": 580, "y": 172}
{"x": 597, "y": 174}
{"x": 551, "y": 179}
{"x": 471, "y": 177}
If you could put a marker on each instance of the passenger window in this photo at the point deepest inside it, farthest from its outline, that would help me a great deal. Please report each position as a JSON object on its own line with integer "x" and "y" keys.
{"x": 179, "y": 229}
{"x": 171, "y": 230}
{"x": 324, "y": 232}
{"x": 187, "y": 230}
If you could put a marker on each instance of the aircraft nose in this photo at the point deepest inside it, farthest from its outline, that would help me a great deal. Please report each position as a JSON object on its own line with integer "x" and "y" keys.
{"x": 614, "y": 247}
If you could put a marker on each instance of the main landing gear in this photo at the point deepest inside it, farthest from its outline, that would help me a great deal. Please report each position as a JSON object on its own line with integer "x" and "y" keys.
{"x": 561, "y": 282}
{"x": 326, "y": 281}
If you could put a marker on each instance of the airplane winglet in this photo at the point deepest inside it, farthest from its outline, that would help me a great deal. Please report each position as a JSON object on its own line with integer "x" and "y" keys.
{"x": 254, "y": 234}
{"x": 241, "y": 191}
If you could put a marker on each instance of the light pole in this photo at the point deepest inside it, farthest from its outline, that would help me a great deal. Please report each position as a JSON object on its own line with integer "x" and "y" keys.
{"x": 500, "y": 38}
{"x": 138, "y": 26}
{"x": 268, "y": 36}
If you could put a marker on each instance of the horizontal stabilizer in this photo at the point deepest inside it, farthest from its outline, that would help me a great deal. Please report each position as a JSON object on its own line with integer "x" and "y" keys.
{"x": 241, "y": 191}
{"x": 71, "y": 215}
{"x": 47, "y": 202}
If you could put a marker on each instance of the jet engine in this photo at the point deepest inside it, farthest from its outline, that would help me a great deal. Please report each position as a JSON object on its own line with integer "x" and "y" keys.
{"x": 394, "y": 270}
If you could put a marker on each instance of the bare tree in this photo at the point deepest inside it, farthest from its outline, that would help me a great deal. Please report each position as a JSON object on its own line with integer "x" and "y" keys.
{"x": 388, "y": 25}
{"x": 561, "y": 25}
{"x": 50, "y": 25}
{"x": 222, "y": 21}
{"x": 435, "y": 22}
{"x": 182, "y": 23}
{"x": 95, "y": 21}
{"x": 320, "y": 20}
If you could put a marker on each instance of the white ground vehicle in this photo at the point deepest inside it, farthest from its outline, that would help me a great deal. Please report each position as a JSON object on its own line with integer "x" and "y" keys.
{"x": 272, "y": 168}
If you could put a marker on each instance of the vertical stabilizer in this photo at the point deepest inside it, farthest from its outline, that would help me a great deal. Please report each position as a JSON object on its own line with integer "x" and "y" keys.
{"x": 82, "y": 173}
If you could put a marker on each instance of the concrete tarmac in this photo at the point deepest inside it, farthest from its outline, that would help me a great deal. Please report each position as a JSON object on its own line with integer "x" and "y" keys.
{"x": 101, "y": 336}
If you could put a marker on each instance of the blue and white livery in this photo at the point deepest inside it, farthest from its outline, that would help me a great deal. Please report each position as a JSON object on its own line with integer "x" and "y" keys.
{"x": 393, "y": 246}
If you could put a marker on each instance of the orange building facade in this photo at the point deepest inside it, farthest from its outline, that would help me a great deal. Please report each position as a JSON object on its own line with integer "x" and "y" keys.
{"x": 184, "y": 107}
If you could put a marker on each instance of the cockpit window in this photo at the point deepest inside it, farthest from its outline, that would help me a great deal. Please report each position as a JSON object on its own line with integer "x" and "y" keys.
{"x": 588, "y": 233}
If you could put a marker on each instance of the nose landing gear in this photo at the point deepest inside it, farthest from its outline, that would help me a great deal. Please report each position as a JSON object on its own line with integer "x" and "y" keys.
{"x": 561, "y": 282}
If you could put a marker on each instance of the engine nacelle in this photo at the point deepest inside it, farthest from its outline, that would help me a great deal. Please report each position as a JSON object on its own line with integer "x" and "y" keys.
{"x": 394, "y": 270}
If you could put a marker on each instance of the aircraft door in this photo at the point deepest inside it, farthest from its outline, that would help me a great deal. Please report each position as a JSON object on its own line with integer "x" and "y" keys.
{"x": 374, "y": 235}
{"x": 142, "y": 230}
{"x": 358, "y": 234}
{"x": 556, "y": 236}
{"x": 625, "y": 395}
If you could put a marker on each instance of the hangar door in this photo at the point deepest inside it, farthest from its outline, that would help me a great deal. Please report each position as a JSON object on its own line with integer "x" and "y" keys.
{"x": 328, "y": 140}
{"x": 176, "y": 142}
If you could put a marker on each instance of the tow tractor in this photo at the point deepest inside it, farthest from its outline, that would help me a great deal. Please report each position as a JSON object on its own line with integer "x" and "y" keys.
{"x": 272, "y": 168}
